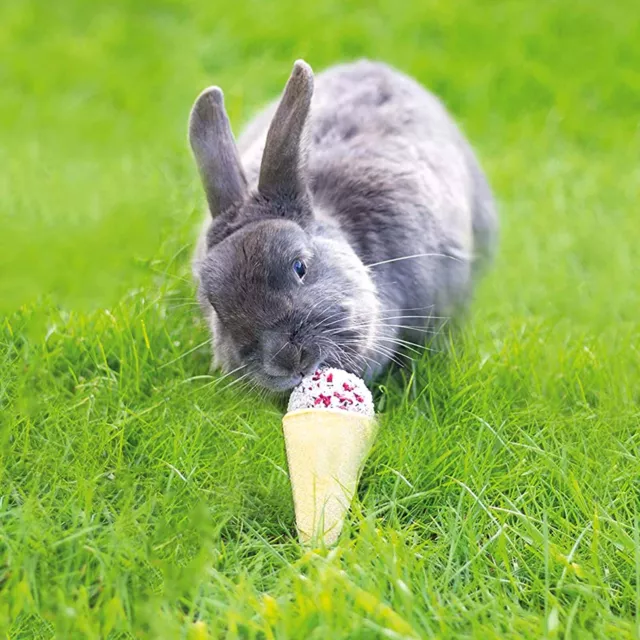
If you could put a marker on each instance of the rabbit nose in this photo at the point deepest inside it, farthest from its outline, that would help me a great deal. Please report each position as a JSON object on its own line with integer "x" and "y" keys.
{"x": 287, "y": 359}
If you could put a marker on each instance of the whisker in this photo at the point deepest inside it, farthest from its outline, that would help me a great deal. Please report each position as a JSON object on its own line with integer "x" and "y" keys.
{"x": 278, "y": 351}
{"x": 391, "y": 355}
{"x": 385, "y": 326}
{"x": 183, "y": 304}
{"x": 402, "y": 346}
{"x": 340, "y": 355}
{"x": 350, "y": 359}
{"x": 234, "y": 382}
{"x": 331, "y": 324}
{"x": 186, "y": 353}
{"x": 371, "y": 360}
{"x": 386, "y": 352}
{"x": 413, "y": 346}
{"x": 415, "y": 255}
{"x": 336, "y": 316}
{"x": 218, "y": 380}
{"x": 414, "y": 316}
{"x": 395, "y": 309}
{"x": 327, "y": 298}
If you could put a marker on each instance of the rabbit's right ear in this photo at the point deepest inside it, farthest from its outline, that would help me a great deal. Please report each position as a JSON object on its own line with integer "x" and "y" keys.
{"x": 282, "y": 167}
{"x": 215, "y": 151}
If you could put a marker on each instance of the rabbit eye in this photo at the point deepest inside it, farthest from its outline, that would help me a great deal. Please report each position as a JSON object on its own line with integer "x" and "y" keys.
{"x": 300, "y": 268}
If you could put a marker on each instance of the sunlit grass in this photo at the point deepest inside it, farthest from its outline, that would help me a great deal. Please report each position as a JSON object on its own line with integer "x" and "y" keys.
{"x": 142, "y": 496}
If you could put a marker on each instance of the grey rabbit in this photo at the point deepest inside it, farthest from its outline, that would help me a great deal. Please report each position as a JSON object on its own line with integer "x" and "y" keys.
{"x": 347, "y": 223}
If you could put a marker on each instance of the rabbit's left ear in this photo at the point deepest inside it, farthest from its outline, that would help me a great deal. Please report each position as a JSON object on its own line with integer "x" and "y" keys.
{"x": 282, "y": 168}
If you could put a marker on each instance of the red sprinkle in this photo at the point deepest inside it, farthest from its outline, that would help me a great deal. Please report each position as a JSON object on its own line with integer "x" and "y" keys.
{"x": 347, "y": 387}
{"x": 326, "y": 400}
{"x": 330, "y": 377}
{"x": 342, "y": 398}
{"x": 358, "y": 398}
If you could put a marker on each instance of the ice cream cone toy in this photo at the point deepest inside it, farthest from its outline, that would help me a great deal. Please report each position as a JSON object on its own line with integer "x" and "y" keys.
{"x": 329, "y": 428}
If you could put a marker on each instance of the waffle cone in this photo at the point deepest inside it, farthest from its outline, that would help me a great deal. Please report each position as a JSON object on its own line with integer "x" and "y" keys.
{"x": 326, "y": 450}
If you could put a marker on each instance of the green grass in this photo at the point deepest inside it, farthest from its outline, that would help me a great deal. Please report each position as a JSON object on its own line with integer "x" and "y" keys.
{"x": 140, "y": 498}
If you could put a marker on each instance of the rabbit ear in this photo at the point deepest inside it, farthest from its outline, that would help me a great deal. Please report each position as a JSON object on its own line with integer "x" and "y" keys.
{"x": 215, "y": 152}
{"x": 282, "y": 168}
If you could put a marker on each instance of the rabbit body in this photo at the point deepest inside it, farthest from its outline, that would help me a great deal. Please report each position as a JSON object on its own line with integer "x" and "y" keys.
{"x": 388, "y": 192}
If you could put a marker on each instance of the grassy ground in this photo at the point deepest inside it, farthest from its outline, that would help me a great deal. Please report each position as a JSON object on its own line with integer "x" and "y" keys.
{"x": 138, "y": 497}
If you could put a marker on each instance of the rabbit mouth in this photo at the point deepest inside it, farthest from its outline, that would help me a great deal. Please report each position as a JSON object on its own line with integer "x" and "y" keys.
{"x": 284, "y": 382}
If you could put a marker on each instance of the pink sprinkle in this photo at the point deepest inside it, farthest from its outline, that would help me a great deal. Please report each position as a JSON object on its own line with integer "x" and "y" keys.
{"x": 330, "y": 377}
{"x": 326, "y": 400}
{"x": 358, "y": 398}
{"x": 347, "y": 387}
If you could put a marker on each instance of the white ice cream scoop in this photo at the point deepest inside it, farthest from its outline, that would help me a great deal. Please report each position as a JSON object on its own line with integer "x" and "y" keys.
{"x": 332, "y": 389}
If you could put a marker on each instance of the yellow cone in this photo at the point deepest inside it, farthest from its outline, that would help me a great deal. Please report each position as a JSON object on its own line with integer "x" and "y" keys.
{"x": 326, "y": 450}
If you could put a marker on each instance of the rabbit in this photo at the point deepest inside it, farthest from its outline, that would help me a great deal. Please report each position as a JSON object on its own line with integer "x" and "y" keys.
{"x": 349, "y": 222}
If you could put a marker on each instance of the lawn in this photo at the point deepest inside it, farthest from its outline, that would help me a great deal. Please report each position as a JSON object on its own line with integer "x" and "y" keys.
{"x": 142, "y": 497}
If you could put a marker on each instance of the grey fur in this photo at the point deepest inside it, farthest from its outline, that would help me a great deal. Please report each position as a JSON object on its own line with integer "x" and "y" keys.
{"x": 377, "y": 172}
{"x": 282, "y": 166}
{"x": 215, "y": 152}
